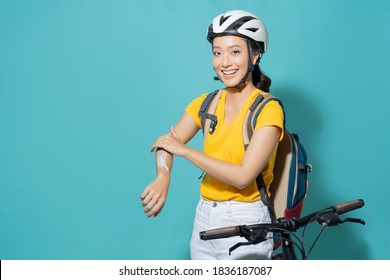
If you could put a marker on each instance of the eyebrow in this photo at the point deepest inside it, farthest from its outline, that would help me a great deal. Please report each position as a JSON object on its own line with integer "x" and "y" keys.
{"x": 230, "y": 47}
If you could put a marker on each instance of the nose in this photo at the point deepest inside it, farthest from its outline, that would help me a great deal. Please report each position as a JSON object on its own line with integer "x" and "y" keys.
{"x": 225, "y": 61}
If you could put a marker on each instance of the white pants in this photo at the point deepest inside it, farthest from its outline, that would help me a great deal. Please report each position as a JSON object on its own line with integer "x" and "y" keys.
{"x": 216, "y": 214}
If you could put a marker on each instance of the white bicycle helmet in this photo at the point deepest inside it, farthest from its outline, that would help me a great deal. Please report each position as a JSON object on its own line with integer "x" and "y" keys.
{"x": 240, "y": 23}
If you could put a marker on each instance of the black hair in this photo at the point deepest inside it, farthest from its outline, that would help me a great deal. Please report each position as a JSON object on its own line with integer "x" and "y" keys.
{"x": 260, "y": 80}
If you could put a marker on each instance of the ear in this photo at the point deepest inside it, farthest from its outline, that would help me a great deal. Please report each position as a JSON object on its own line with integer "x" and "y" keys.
{"x": 256, "y": 58}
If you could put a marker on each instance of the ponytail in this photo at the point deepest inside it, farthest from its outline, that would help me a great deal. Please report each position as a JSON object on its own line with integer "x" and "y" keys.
{"x": 260, "y": 80}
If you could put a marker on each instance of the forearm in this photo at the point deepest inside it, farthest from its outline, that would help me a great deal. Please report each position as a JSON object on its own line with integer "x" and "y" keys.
{"x": 244, "y": 173}
{"x": 164, "y": 162}
{"x": 155, "y": 194}
{"x": 234, "y": 174}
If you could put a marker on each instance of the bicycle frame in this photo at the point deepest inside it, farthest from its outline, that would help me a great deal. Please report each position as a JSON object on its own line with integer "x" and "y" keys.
{"x": 288, "y": 250}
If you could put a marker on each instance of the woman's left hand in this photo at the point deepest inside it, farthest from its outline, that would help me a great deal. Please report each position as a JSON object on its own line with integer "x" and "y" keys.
{"x": 170, "y": 142}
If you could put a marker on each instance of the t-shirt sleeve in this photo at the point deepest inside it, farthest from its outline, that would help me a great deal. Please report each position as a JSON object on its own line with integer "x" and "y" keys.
{"x": 271, "y": 115}
{"x": 193, "y": 109}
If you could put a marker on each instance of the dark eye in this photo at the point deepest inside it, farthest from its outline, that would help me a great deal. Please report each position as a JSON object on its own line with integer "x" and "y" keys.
{"x": 236, "y": 52}
{"x": 215, "y": 53}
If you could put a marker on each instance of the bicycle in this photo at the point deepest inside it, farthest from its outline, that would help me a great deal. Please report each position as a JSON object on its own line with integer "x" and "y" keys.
{"x": 257, "y": 233}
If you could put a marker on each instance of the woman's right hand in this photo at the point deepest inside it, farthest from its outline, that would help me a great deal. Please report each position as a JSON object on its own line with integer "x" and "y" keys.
{"x": 155, "y": 194}
{"x": 171, "y": 143}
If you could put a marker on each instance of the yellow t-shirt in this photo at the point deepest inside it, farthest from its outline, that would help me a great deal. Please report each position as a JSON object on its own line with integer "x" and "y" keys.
{"x": 227, "y": 144}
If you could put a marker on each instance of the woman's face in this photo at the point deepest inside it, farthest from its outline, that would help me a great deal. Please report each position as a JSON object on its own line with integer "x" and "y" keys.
{"x": 230, "y": 59}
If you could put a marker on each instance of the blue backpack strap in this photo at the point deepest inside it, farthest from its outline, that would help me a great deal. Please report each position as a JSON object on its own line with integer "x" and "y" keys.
{"x": 204, "y": 112}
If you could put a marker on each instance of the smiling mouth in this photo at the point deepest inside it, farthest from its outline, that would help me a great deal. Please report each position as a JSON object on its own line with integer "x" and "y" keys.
{"x": 229, "y": 72}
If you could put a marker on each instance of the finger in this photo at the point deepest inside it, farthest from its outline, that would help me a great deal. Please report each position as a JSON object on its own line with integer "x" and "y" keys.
{"x": 152, "y": 212}
{"x": 145, "y": 193}
{"x": 159, "y": 143}
{"x": 156, "y": 210}
{"x": 155, "y": 146}
{"x": 156, "y": 143}
{"x": 152, "y": 208}
{"x": 159, "y": 208}
{"x": 147, "y": 199}
{"x": 157, "y": 213}
{"x": 150, "y": 201}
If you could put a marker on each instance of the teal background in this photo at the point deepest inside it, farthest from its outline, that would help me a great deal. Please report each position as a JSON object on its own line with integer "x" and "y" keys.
{"x": 87, "y": 85}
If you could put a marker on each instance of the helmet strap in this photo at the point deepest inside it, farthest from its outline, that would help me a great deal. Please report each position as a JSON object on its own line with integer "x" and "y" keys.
{"x": 251, "y": 67}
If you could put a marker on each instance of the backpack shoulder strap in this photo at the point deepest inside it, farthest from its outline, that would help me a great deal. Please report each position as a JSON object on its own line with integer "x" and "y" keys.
{"x": 252, "y": 114}
{"x": 249, "y": 126}
{"x": 206, "y": 112}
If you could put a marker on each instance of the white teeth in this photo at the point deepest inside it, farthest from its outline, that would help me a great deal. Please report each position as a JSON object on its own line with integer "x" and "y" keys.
{"x": 229, "y": 72}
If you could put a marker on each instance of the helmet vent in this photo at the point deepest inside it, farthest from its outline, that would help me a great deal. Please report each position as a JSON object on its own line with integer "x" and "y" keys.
{"x": 223, "y": 19}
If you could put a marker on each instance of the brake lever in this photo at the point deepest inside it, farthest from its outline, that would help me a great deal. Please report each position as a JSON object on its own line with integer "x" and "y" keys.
{"x": 238, "y": 245}
{"x": 353, "y": 220}
{"x": 253, "y": 237}
{"x": 332, "y": 219}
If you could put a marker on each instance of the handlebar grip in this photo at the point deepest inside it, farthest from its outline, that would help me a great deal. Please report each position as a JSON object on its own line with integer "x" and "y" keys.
{"x": 348, "y": 206}
{"x": 220, "y": 233}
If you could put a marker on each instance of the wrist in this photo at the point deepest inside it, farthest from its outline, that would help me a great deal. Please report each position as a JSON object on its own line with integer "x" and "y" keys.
{"x": 187, "y": 152}
{"x": 164, "y": 176}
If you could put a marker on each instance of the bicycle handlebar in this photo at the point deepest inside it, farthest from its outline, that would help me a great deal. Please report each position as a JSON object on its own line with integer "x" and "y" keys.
{"x": 337, "y": 209}
{"x": 217, "y": 233}
{"x": 290, "y": 224}
{"x": 348, "y": 206}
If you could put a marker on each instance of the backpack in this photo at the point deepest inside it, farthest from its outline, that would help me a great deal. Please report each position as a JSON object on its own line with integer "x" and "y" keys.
{"x": 289, "y": 186}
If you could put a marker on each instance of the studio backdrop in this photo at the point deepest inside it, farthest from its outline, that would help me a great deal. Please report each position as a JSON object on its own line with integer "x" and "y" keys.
{"x": 86, "y": 86}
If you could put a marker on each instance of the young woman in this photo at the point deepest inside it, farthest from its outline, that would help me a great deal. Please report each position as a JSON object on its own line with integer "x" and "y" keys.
{"x": 229, "y": 193}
